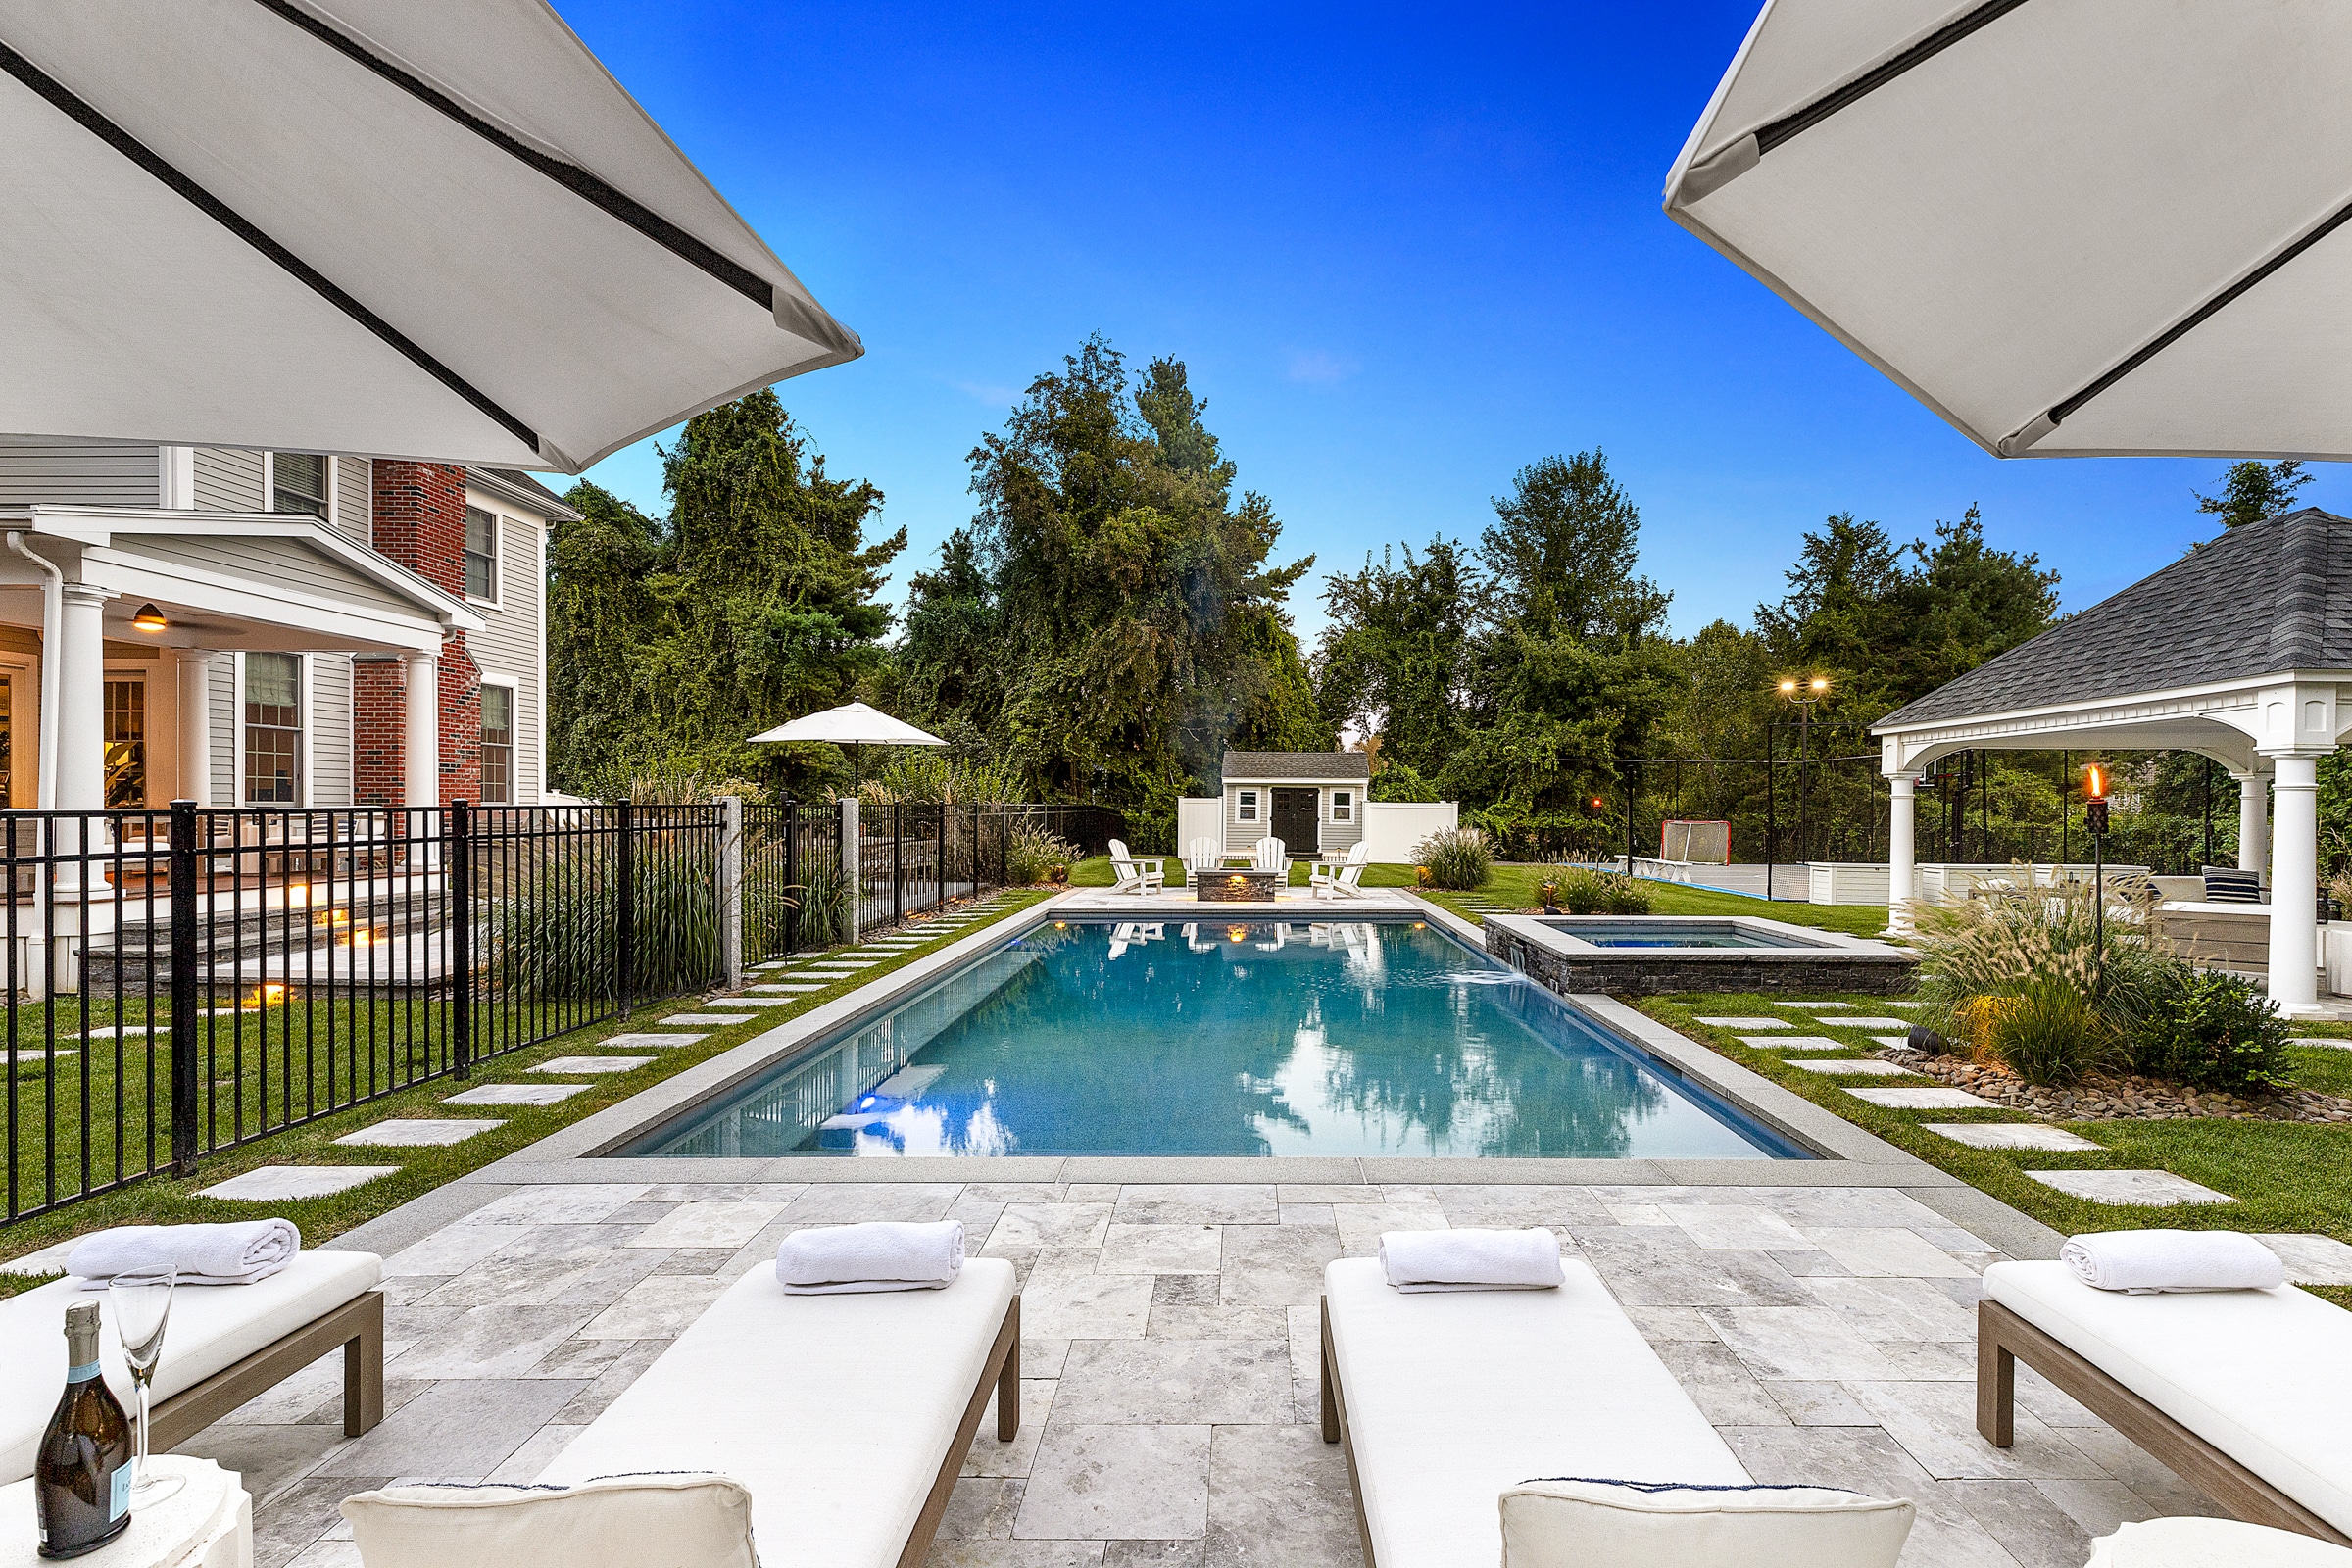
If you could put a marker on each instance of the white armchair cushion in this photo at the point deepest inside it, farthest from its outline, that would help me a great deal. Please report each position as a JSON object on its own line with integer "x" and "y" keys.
{"x": 642, "y": 1521}
{"x": 1571, "y": 1523}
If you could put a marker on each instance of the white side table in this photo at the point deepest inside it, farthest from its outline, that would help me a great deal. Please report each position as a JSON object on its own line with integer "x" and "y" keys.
{"x": 208, "y": 1523}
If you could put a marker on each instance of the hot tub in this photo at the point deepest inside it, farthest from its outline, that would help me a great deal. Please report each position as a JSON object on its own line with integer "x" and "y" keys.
{"x": 1658, "y": 954}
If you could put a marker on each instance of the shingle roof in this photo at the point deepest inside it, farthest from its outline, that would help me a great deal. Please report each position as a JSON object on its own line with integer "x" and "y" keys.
{"x": 1297, "y": 765}
{"x": 2264, "y": 597}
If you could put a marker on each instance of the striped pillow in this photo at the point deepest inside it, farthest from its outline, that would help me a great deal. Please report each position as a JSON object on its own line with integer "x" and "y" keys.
{"x": 2226, "y": 886}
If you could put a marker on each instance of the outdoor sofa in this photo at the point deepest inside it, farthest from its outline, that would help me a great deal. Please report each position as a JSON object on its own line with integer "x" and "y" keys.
{"x": 2240, "y": 1392}
{"x": 224, "y": 1345}
{"x": 847, "y": 1417}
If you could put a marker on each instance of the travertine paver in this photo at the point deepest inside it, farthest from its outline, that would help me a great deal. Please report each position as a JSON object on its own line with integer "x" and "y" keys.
{"x": 590, "y": 1065}
{"x": 1844, "y": 1022}
{"x": 647, "y": 1040}
{"x": 514, "y": 1095}
{"x": 1170, "y": 1358}
{"x": 2011, "y": 1135}
{"x": 2159, "y": 1186}
{"x": 417, "y": 1132}
{"x": 275, "y": 1184}
{"x": 1856, "y": 1067}
{"x": 2312, "y": 1259}
{"x": 1749, "y": 1023}
{"x": 1789, "y": 1043}
{"x": 758, "y": 1001}
{"x": 778, "y": 991}
{"x": 1924, "y": 1099}
{"x": 680, "y": 1018}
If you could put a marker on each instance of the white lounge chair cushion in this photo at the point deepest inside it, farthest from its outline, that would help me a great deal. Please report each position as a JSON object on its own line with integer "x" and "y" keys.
{"x": 655, "y": 1521}
{"x": 2192, "y": 1543}
{"x": 2259, "y": 1374}
{"x": 1453, "y": 1398}
{"x": 212, "y": 1327}
{"x": 1594, "y": 1524}
{"x": 836, "y": 1411}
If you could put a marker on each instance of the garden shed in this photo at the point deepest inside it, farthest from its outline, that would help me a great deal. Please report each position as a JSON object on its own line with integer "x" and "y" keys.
{"x": 2240, "y": 651}
{"x": 1311, "y": 801}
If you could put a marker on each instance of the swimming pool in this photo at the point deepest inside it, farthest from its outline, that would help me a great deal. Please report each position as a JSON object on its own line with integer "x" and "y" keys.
{"x": 1251, "y": 1038}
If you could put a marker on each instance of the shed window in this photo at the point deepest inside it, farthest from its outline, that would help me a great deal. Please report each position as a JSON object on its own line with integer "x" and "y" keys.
{"x": 1245, "y": 807}
{"x": 1343, "y": 805}
{"x": 481, "y": 554}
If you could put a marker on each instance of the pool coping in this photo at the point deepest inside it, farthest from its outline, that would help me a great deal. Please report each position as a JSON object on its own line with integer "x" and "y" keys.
{"x": 1846, "y": 1155}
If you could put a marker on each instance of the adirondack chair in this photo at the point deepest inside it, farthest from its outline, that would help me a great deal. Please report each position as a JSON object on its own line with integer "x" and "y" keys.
{"x": 1136, "y": 876}
{"x": 1329, "y": 882}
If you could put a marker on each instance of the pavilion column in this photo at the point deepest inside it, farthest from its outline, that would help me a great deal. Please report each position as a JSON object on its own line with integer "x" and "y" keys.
{"x": 195, "y": 726}
{"x": 2294, "y": 956}
{"x": 2253, "y": 821}
{"x": 420, "y": 751}
{"x": 1901, "y": 878}
{"x": 81, "y": 698}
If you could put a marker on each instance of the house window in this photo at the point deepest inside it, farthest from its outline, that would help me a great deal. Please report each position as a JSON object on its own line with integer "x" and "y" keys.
{"x": 1246, "y": 809}
{"x": 498, "y": 744}
{"x": 298, "y": 483}
{"x": 481, "y": 554}
{"x": 1343, "y": 805}
{"x": 272, "y": 728}
{"x": 125, "y": 744}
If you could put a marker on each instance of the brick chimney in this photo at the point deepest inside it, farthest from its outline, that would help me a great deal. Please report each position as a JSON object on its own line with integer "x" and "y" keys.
{"x": 419, "y": 522}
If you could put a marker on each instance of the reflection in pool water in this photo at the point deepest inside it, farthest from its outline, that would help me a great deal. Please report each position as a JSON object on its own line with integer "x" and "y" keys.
{"x": 1289, "y": 1038}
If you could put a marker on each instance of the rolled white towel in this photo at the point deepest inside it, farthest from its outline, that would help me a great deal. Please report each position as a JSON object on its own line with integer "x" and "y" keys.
{"x": 2151, "y": 1262}
{"x": 851, "y": 1259}
{"x": 1472, "y": 1260}
{"x": 243, "y": 1254}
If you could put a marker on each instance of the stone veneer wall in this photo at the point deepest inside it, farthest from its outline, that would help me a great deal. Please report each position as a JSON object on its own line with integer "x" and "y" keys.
{"x": 1658, "y": 972}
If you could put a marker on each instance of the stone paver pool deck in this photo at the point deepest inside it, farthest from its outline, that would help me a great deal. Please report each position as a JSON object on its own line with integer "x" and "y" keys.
{"x": 1169, "y": 1405}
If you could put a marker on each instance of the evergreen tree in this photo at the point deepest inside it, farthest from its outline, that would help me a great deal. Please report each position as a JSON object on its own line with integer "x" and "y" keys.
{"x": 2254, "y": 491}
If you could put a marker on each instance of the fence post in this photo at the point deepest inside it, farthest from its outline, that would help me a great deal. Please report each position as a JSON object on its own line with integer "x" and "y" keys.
{"x": 795, "y": 896}
{"x": 185, "y": 1077}
{"x": 457, "y": 827}
{"x": 624, "y": 901}
{"x": 853, "y": 913}
{"x": 730, "y": 888}
{"x": 898, "y": 866}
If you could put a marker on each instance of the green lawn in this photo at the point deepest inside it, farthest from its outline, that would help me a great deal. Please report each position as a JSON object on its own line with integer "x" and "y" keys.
{"x": 2285, "y": 1176}
{"x": 164, "y": 1200}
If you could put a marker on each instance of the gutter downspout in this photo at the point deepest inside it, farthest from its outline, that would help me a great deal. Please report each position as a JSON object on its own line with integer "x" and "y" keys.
{"x": 52, "y": 613}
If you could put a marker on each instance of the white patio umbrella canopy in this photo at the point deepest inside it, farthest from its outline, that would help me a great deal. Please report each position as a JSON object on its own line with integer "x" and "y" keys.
{"x": 428, "y": 228}
{"x": 2071, "y": 228}
{"x": 847, "y": 725}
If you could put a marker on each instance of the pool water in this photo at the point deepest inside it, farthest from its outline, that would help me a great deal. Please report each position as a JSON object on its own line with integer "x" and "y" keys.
{"x": 1681, "y": 933}
{"x": 1357, "y": 1038}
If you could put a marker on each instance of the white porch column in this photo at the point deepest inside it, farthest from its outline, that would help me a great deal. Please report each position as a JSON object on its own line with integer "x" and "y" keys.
{"x": 420, "y": 751}
{"x": 81, "y": 698}
{"x": 2253, "y": 821}
{"x": 2294, "y": 889}
{"x": 1901, "y": 879}
{"x": 195, "y": 726}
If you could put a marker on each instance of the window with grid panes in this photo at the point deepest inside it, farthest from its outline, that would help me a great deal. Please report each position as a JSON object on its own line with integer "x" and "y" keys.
{"x": 298, "y": 482}
{"x": 481, "y": 554}
{"x": 125, "y": 743}
{"x": 272, "y": 728}
{"x": 498, "y": 745}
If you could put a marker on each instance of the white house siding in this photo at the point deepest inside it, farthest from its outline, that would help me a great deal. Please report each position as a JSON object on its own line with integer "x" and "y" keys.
{"x": 355, "y": 498}
{"x": 222, "y": 684}
{"x": 227, "y": 480}
{"x": 1331, "y": 836}
{"x": 285, "y": 561}
{"x": 85, "y": 473}
{"x": 329, "y": 722}
{"x": 507, "y": 648}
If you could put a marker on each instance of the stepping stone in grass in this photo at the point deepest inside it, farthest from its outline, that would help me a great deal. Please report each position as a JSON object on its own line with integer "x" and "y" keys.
{"x": 699, "y": 1017}
{"x": 841, "y": 966}
{"x": 646, "y": 1040}
{"x": 2014, "y": 1134}
{"x": 516, "y": 1094}
{"x": 1820, "y": 1006}
{"x": 36, "y": 1055}
{"x": 588, "y": 1064}
{"x": 758, "y": 1001}
{"x": 418, "y": 1133}
{"x": 119, "y": 1031}
{"x": 1749, "y": 1023}
{"x": 1891, "y": 1041}
{"x": 1924, "y": 1099}
{"x": 2159, "y": 1187}
{"x": 1842, "y": 1021}
{"x": 275, "y": 1184}
{"x": 769, "y": 996}
{"x": 1792, "y": 1043}
{"x": 50, "y": 1259}
{"x": 2311, "y": 1259}
{"x": 2320, "y": 1042}
{"x": 1856, "y": 1067}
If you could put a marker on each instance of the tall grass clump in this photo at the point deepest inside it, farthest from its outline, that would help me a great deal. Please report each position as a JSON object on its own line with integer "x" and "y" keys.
{"x": 1457, "y": 859}
{"x": 1588, "y": 890}
{"x": 1030, "y": 852}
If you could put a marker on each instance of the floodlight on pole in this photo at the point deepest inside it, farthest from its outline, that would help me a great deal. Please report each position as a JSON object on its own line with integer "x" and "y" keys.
{"x": 1805, "y": 695}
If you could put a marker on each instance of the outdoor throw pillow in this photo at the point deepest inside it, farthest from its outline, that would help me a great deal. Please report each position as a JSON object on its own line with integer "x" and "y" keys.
{"x": 663, "y": 1520}
{"x": 2226, "y": 886}
{"x": 1570, "y": 1522}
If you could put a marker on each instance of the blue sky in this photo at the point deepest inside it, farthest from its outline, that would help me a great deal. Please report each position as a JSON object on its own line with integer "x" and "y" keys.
{"x": 1403, "y": 253}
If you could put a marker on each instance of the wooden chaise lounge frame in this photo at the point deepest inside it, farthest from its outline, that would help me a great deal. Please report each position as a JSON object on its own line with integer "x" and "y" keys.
{"x": 358, "y": 1325}
{"x": 1334, "y": 1404}
{"x": 2004, "y": 1339}
{"x": 1001, "y": 1376}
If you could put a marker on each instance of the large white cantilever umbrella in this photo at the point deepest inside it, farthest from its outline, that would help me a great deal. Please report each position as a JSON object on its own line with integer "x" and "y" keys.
{"x": 2070, "y": 227}
{"x": 852, "y": 724}
{"x": 431, "y": 228}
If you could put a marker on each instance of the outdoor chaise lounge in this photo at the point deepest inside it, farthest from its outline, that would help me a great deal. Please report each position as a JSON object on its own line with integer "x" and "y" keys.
{"x": 1446, "y": 1401}
{"x": 1325, "y": 882}
{"x": 847, "y": 1416}
{"x": 1135, "y": 876}
{"x": 224, "y": 1345}
{"x": 2241, "y": 1392}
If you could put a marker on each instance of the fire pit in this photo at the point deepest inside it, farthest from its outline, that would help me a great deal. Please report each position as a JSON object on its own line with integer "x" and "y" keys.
{"x": 1236, "y": 887}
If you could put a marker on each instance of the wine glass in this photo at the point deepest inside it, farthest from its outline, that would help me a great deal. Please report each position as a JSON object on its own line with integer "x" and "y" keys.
{"x": 142, "y": 1305}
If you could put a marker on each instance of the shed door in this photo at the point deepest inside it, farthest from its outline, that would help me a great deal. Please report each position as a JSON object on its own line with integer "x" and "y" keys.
{"x": 1296, "y": 816}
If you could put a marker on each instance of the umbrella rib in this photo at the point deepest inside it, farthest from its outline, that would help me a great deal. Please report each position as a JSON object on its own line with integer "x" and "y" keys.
{"x": 62, "y": 99}
{"x": 580, "y": 182}
{"x": 1871, "y": 81}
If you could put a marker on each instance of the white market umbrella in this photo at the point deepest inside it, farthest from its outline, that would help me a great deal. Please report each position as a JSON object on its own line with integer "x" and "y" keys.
{"x": 852, "y": 724}
{"x": 426, "y": 229}
{"x": 2071, "y": 228}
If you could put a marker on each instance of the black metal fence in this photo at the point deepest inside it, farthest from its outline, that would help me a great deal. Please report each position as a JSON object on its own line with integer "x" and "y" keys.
{"x": 793, "y": 890}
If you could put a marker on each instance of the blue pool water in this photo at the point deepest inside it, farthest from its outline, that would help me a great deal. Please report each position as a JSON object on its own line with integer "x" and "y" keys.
{"x": 1241, "y": 1038}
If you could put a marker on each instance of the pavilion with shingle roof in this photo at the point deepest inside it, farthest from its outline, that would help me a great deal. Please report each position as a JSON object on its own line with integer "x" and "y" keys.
{"x": 2238, "y": 652}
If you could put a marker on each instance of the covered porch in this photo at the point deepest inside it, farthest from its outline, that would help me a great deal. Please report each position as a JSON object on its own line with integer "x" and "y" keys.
{"x": 2235, "y": 652}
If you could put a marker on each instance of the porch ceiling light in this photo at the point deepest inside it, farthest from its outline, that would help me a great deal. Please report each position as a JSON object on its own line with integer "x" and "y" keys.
{"x": 149, "y": 618}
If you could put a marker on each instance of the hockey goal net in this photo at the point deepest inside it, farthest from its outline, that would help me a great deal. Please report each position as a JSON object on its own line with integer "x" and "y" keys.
{"x": 1705, "y": 843}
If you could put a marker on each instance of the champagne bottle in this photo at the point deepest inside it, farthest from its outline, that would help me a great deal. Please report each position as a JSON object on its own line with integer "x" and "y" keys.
{"x": 81, "y": 1474}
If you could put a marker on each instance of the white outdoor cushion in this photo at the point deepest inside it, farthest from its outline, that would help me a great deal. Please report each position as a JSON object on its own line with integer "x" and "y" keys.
{"x": 2192, "y": 1543}
{"x": 2259, "y": 1374}
{"x": 1594, "y": 1524}
{"x": 652, "y": 1521}
{"x": 212, "y": 1327}
{"x": 837, "y": 1412}
{"x": 1453, "y": 1397}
